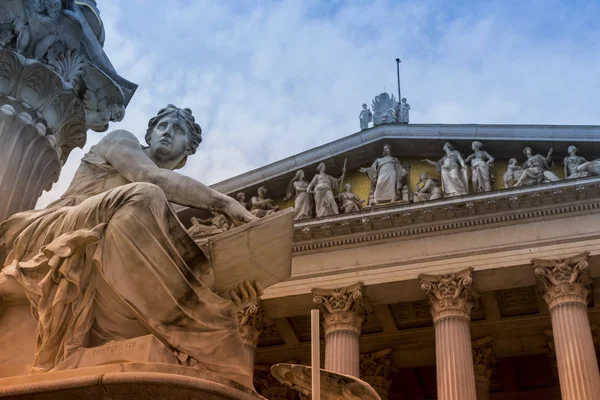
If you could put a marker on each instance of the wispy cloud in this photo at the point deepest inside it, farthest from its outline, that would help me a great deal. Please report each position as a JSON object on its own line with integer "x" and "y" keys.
{"x": 267, "y": 80}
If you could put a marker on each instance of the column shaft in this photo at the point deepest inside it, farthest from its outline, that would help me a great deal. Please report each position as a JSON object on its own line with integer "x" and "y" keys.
{"x": 342, "y": 352}
{"x": 455, "y": 374}
{"x": 575, "y": 353}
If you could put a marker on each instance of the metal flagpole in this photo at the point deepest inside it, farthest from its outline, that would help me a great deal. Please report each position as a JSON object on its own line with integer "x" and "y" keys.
{"x": 315, "y": 354}
{"x": 398, "y": 74}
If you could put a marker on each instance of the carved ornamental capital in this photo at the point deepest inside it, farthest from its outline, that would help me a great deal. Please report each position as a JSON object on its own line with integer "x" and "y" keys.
{"x": 565, "y": 280}
{"x": 251, "y": 321}
{"x": 449, "y": 294}
{"x": 269, "y": 387}
{"x": 483, "y": 359}
{"x": 343, "y": 308}
{"x": 375, "y": 369}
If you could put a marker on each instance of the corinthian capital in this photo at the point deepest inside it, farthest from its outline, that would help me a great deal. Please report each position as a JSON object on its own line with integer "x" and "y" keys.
{"x": 343, "y": 308}
{"x": 564, "y": 280}
{"x": 483, "y": 359}
{"x": 449, "y": 294}
{"x": 251, "y": 320}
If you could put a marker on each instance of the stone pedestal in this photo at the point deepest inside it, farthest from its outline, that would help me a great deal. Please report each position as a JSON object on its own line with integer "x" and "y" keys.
{"x": 565, "y": 284}
{"x": 451, "y": 303}
{"x": 483, "y": 359}
{"x": 375, "y": 369}
{"x": 252, "y": 322}
{"x": 343, "y": 316}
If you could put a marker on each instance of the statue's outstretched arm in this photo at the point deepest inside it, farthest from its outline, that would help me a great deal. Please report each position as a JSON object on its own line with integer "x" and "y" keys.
{"x": 123, "y": 151}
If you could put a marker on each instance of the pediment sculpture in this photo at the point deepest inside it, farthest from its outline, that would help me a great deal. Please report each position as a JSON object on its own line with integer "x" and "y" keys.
{"x": 385, "y": 109}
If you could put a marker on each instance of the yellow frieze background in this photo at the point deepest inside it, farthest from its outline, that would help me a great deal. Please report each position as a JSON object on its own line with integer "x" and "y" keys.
{"x": 361, "y": 184}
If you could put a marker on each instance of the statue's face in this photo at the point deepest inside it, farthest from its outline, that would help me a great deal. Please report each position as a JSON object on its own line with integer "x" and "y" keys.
{"x": 572, "y": 150}
{"x": 170, "y": 138}
{"x": 423, "y": 177}
{"x": 528, "y": 152}
{"x": 387, "y": 150}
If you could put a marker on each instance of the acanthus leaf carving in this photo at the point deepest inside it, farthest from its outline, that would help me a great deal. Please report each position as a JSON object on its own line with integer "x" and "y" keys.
{"x": 564, "y": 280}
{"x": 343, "y": 308}
{"x": 449, "y": 294}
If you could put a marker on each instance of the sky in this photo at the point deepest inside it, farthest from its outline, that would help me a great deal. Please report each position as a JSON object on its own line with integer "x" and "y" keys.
{"x": 269, "y": 79}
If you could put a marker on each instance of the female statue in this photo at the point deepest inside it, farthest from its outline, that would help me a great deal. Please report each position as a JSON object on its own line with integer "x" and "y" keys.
{"x": 322, "y": 187}
{"x": 572, "y": 162}
{"x": 110, "y": 260}
{"x": 349, "y": 202}
{"x": 536, "y": 169}
{"x": 386, "y": 176}
{"x": 261, "y": 206}
{"x": 481, "y": 168}
{"x": 303, "y": 202}
{"x": 513, "y": 173}
{"x": 453, "y": 170}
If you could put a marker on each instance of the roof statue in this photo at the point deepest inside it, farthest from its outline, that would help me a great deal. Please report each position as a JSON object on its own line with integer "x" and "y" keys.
{"x": 384, "y": 108}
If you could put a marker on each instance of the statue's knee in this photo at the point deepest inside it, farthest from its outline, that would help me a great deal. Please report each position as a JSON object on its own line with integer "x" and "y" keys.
{"x": 148, "y": 194}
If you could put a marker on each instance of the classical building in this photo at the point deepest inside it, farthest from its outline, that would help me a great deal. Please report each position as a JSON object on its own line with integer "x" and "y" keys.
{"x": 492, "y": 294}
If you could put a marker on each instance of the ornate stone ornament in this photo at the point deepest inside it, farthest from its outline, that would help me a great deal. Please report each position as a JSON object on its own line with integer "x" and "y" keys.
{"x": 384, "y": 108}
{"x": 252, "y": 322}
{"x": 450, "y": 294}
{"x": 343, "y": 308}
{"x": 483, "y": 360}
{"x": 564, "y": 280}
{"x": 375, "y": 369}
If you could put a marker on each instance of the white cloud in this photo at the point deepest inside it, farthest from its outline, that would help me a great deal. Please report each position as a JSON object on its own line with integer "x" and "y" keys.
{"x": 269, "y": 80}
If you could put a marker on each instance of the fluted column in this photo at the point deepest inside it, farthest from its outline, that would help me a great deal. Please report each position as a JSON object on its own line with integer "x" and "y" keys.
{"x": 252, "y": 323}
{"x": 451, "y": 303}
{"x": 343, "y": 316}
{"x": 483, "y": 359}
{"x": 375, "y": 369}
{"x": 565, "y": 285}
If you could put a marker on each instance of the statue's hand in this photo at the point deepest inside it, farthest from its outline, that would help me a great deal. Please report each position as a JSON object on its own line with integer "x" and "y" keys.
{"x": 363, "y": 170}
{"x": 246, "y": 294}
{"x": 239, "y": 214}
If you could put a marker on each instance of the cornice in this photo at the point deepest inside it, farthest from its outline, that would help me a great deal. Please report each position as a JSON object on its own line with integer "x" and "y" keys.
{"x": 393, "y": 222}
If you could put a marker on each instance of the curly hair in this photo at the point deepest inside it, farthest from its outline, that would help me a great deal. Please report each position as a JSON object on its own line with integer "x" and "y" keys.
{"x": 195, "y": 132}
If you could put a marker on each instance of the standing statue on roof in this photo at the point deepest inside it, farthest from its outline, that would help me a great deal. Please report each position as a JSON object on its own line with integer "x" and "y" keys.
{"x": 365, "y": 117}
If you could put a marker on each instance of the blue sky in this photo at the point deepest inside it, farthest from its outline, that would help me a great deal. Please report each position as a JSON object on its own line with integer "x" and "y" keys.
{"x": 269, "y": 79}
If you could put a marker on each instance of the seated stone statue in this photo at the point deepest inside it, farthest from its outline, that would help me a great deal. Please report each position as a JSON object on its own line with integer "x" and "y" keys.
{"x": 110, "y": 260}
{"x": 349, "y": 202}
{"x": 210, "y": 226}
{"x": 513, "y": 173}
{"x": 536, "y": 169}
{"x": 261, "y": 205}
{"x": 427, "y": 189}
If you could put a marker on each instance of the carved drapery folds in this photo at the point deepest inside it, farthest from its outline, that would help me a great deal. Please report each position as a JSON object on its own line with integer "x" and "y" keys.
{"x": 564, "y": 280}
{"x": 343, "y": 308}
{"x": 450, "y": 294}
{"x": 375, "y": 369}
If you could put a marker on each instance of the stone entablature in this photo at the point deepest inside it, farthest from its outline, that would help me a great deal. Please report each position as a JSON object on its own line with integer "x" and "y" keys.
{"x": 396, "y": 221}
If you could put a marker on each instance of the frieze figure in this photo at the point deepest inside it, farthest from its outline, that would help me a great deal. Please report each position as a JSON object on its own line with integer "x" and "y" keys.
{"x": 113, "y": 239}
{"x": 297, "y": 189}
{"x": 482, "y": 168}
{"x": 453, "y": 169}
{"x": 365, "y": 117}
{"x": 261, "y": 206}
{"x": 572, "y": 162}
{"x": 536, "y": 169}
{"x": 404, "y": 111}
{"x": 385, "y": 108}
{"x": 590, "y": 168}
{"x": 241, "y": 198}
{"x": 427, "y": 189}
{"x": 386, "y": 175}
{"x": 322, "y": 187}
{"x": 349, "y": 202}
{"x": 218, "y": 223}
{"x": 513, "y": 173}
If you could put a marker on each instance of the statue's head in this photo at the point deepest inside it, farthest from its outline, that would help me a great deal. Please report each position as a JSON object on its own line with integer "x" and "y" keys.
{"x": 448, "y": 147}
{"x": 173, "y": 135}
{"x": 527, "y": 152}
{"x": 387, "y": 149}
{"x": 512, "y": 162}
{"x": 572, "y": 150}
{"x": 348, "y": 187}
{"x": 404, "y": 100}
{"x": 476, "y": 145}
{"x": 299, "y": 175}
{"x": 364, "y": 106}
{"x": 321, "y": 167}
{"x": 262, "y": 191}
{"x": 241, "y": 196}
{"x": 423, "y": 177}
